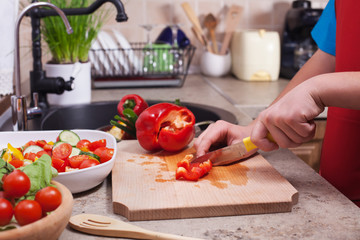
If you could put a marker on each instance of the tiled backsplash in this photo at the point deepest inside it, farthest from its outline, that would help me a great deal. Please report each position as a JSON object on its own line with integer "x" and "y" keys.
{"x": 257, "y": 14}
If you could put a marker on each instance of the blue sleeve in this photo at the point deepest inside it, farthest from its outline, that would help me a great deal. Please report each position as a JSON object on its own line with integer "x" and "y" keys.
{"x": 324, "y": 32}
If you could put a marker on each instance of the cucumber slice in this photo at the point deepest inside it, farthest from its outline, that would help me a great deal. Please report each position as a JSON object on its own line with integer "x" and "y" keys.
{"x": 90, "y": 155}
{"x": 69, "y": 137}
{"x": 2, "y": 152}
{"x": 75, "y": 151}
{"x": 32, "y": 149}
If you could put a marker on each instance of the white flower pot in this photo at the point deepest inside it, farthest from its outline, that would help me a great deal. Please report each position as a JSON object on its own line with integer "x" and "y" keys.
{"x": 81, "y": 94}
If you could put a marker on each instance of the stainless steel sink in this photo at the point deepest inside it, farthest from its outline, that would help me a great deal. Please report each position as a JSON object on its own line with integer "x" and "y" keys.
{"x": 98, "y": 114}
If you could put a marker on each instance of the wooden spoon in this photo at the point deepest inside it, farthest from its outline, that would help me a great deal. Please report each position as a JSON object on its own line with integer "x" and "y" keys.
{"x": 232, "y": 19}
{"x": 210, "y": 23}
{"x": 106, "y": 226}
{"x": 196, "y": 24}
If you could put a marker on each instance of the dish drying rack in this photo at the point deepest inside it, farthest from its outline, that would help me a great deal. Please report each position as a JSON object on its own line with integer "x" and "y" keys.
{"x": 142, "y": 65}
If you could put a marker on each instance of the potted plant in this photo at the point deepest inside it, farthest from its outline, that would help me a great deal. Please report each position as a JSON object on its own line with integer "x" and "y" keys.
{"x": 68, "y": 51}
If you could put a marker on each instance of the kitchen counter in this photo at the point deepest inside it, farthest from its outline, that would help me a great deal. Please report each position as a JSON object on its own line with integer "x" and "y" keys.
{"x": 321, "y": 213}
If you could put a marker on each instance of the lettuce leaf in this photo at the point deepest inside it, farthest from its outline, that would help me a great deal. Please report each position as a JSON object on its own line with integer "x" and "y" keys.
{"x": 40, "y": 173}
{"x": 5, "y": 168}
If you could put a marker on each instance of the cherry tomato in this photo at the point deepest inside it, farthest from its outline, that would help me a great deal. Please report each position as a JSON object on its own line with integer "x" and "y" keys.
{"x": 49, "y": 198}
{"x": 29, "y": 143}
{"x": 75, "y": 161}
{"x": 58, "y": 164}
{"x": 27, "y": 211}
{"x": 40, "y": 153}
{"x": 83, "y": 145}
{"x": 6, "y": 212}
{"x": 16, "y": 184}
{"x": 96, "y": 144}
{"x": 17, "y": 163}
{"x": 104, "y": 153}
{"x": 48, "y": 147}
{"x": 89, "y": 163}
{"x": 40, "y": 143}
{"x": 62, "y": 151}
{"x": 30, "y": 156}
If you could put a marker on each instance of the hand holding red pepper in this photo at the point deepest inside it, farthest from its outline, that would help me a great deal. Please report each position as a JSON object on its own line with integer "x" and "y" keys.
{"x": 165, "y": 126}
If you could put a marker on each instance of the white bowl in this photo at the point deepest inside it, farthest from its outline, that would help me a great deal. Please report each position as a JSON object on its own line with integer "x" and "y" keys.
{"x": 78, "y": 180}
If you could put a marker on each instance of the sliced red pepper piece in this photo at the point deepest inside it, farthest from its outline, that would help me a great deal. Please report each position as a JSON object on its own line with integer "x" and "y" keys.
{"x": 165, "y": 126}
{"x": 134, "y": 102}
{"x": 192, "y": 171}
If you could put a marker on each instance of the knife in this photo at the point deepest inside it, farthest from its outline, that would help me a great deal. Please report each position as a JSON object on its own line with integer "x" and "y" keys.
{"x": 229, "y": 154}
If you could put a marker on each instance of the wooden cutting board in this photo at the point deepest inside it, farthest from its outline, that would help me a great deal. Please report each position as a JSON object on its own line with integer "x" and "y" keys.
{"x": 144, "y": 187}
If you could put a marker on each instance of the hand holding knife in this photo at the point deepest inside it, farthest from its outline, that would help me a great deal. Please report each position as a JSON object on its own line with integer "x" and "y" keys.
{"x": 229, "y": 154}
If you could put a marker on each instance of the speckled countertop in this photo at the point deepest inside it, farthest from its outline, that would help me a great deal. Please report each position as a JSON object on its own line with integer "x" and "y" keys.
{"x": 321, "y": 213}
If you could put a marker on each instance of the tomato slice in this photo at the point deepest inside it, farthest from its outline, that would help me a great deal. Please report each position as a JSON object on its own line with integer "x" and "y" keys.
{"x": 30, "y": 156}
{"x": 62, "y": 151}
{"x": 75, "y": 161}
{"x": 48, "y": 147}
{"x": 104, "y": 153}
{"x": 40, "y": 143}
{"x": 83, "y": 145}
{"x": 58, "y": 164}
{"x": 96, "y": 144}
{"x": 89, "y": 163}
{"x": 29, "y": 143}
{"x": 40, "y": 153}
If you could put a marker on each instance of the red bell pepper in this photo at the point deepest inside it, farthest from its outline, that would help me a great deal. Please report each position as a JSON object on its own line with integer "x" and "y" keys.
{"x": 165, "y": 126}
{"x": 134, "y": 102}
{"x": 192, "y": 171}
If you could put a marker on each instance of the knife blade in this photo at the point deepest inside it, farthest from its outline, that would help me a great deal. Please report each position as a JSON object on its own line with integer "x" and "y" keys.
{"x": 227, "y": 155}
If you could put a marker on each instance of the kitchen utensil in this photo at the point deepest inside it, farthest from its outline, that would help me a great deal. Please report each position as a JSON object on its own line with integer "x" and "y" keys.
{"x": 210, "y": 23}
{"x": 84, "y": 179}
{"x": 229, "y": 154}
{"x": 196, "y": 24}
{"x": 49, "y": 227}
{"x": 110, "y": 227}
{"x": 198, "y": 36}
{"x": 256, "y": 55}
{"x": 232, "y": 19}
{"x": 215, "y": 65}
{"x": 247, "y": 187}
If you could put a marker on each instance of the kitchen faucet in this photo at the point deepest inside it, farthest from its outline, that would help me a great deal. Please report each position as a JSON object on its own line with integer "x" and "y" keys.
{"x": 20, "y": 113}
{"x": 38, "y": 81}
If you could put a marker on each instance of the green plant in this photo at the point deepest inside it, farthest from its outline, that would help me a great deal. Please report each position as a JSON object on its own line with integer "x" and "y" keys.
{"x": 71, "y": 48}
